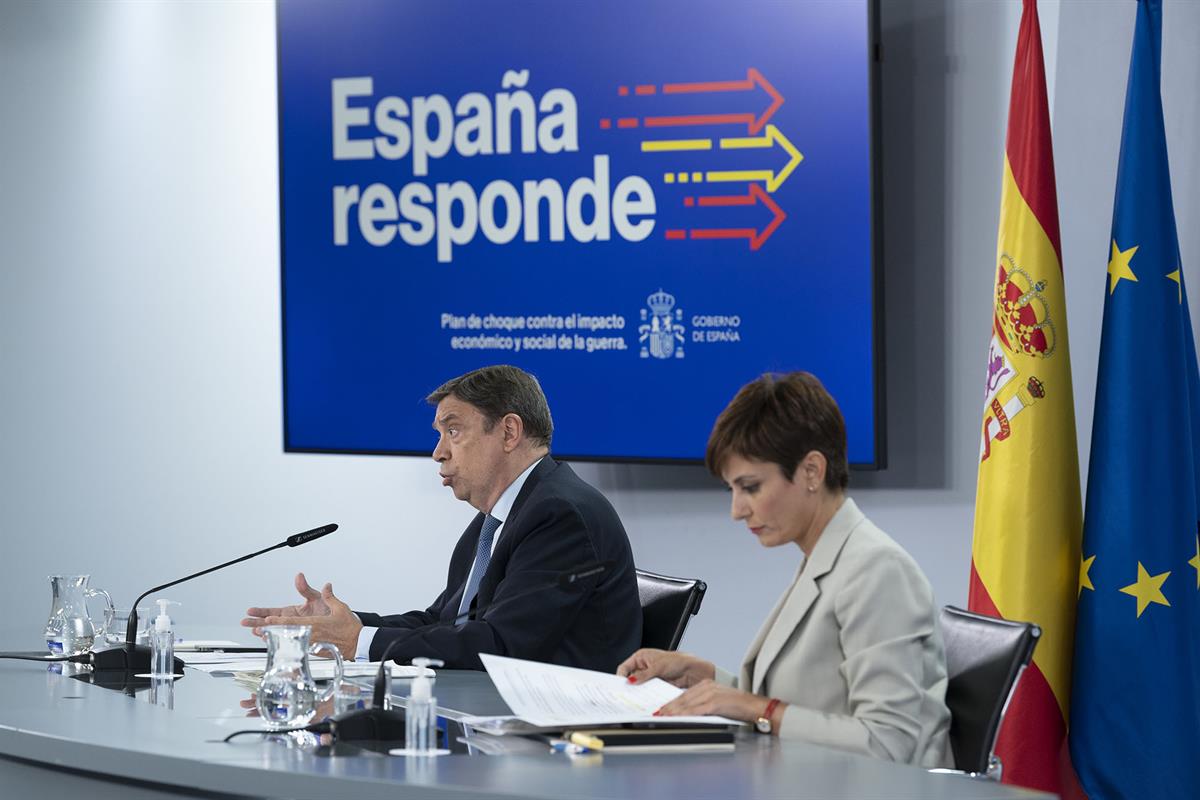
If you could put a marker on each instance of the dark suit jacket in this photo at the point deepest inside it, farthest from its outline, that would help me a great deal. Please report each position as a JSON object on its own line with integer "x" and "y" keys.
{"x": 556, "y": 523}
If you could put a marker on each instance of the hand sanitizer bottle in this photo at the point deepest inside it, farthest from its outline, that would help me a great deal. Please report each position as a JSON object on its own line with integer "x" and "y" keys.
{"x": 421, "y": 715}
{"x": 162, "y": 643}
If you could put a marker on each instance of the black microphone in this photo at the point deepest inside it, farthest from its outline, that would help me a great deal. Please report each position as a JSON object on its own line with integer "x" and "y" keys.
{"x": 379, "y": 724}
{"x": 134, "y": 657}
{"x": 297, "y": 539}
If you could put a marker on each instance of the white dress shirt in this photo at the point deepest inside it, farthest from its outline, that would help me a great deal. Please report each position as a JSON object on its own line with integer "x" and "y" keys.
{"x": 500, "y": 511}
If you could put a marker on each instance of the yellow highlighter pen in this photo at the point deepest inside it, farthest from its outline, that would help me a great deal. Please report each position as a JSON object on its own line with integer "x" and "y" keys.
{"x": 583, "y": 740}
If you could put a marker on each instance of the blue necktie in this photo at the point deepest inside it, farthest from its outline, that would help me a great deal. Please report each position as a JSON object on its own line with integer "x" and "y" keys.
{"x": 483, "y": 557}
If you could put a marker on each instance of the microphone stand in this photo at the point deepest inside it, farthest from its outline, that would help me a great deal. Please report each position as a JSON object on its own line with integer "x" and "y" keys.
{"x": 135, "y": 658}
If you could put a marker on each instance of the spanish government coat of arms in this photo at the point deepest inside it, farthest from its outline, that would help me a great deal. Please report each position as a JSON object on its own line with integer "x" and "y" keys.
{"x": 661, "y": 332}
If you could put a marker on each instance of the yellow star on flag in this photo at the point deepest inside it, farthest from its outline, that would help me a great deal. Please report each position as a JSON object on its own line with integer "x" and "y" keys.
{"x": 1195, "y": 562}
{"x": 1085, "y": 580}
{"x": 1148, "y": 589}
{"x": 1179, "y": 286}
{"x": 1118, "y": 266}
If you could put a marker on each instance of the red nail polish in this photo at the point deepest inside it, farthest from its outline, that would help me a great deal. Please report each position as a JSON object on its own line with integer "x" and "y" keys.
{"x": 658, "y": 713}
{"x": 632, "y": 679}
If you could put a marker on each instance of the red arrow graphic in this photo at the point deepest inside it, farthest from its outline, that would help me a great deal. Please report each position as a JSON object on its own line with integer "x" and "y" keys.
{"x": 753, "y": 124}
{"x": 756, "y": 194}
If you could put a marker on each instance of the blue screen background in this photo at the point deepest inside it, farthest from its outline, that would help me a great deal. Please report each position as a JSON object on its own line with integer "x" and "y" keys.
{"x": 363, "y": 343}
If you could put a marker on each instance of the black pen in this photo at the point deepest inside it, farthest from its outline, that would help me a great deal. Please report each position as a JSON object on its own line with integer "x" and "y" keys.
{"x": 225, "y": 649}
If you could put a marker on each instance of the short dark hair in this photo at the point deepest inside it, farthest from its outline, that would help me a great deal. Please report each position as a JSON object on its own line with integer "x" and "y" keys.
{"x": 780, "y": 419}
{"x": 499, "y": 390}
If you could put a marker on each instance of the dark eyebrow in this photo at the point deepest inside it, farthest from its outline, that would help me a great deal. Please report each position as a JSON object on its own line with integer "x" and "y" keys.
{"x": 446, "y": 420}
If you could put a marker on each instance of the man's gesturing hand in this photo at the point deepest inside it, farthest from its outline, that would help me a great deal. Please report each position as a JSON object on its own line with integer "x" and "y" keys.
{"x": 314, "y": 606}
{"x": 330, "y": 618}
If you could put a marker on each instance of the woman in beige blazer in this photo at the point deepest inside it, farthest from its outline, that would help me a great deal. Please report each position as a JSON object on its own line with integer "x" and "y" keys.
{"x": 850, "y": 656}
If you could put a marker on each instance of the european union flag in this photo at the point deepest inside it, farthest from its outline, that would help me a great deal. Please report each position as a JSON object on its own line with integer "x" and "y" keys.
{"x": 1135, "y": 703}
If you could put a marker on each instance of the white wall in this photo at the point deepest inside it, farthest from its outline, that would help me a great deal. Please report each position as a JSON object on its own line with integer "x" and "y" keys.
{"x": 139, "y": 312}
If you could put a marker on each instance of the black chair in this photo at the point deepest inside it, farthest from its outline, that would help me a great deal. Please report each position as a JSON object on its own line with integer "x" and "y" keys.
{"x": 985, "y": 657}
{"x": 667, "y": 605}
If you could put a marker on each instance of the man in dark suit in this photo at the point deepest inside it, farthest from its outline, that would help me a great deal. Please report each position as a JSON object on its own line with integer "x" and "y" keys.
{"x": 536, "y": 520}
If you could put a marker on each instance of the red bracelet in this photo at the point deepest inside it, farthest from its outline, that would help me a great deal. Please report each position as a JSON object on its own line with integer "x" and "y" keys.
{"x": 770, "y": 709}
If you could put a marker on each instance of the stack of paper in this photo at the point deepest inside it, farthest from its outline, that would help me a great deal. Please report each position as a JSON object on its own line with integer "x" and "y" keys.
{"x": 223, "y": 662}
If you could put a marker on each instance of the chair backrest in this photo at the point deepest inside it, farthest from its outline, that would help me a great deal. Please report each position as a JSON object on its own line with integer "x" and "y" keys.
{"x": 984, "y": 660}
{"x": 667, "y": 605}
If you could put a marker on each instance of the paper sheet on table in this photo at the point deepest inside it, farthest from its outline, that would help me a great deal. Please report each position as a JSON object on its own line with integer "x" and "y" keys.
{"x": 321, "y": 668}
{"x": 547, "y": 695}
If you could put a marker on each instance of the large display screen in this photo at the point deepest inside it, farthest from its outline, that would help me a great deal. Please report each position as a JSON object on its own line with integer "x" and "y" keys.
{"x": 644, "y": 204}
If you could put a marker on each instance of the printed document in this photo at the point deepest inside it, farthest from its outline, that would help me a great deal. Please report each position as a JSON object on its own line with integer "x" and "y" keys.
{"x": 550, "y": 696}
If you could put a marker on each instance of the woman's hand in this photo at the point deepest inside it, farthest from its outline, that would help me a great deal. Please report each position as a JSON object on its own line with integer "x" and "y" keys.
{"x": 707, "y": 698}
{"x": 680, "y": 669}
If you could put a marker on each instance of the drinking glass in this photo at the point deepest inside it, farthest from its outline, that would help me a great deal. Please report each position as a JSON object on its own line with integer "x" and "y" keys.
{"x": 120, "y": 622}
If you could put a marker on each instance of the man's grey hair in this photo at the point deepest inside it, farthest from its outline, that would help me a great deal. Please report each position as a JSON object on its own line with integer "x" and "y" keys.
{"x": 499, "y": 390}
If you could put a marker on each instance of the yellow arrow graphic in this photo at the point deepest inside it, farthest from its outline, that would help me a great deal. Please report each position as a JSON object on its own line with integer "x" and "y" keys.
{"x": 773, "y": 137}
{"x": 774, "y": 180}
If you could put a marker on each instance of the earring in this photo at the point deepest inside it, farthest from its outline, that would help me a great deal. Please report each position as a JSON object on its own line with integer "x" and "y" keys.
{"x": 812, "y": 488}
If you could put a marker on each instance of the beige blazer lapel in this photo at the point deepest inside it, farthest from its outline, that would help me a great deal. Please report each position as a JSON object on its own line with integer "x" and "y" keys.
{"x": 796, "y": 602}
{"x": 748, "y": 661}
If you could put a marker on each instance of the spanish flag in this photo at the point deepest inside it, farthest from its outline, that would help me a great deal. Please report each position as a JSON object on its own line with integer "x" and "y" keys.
{"x": 1025, "y": 556}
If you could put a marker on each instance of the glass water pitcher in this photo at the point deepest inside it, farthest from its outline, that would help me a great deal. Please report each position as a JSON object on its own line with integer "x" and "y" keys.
{"x": 288, "y": 696}
{"x": 70, "y": 629}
